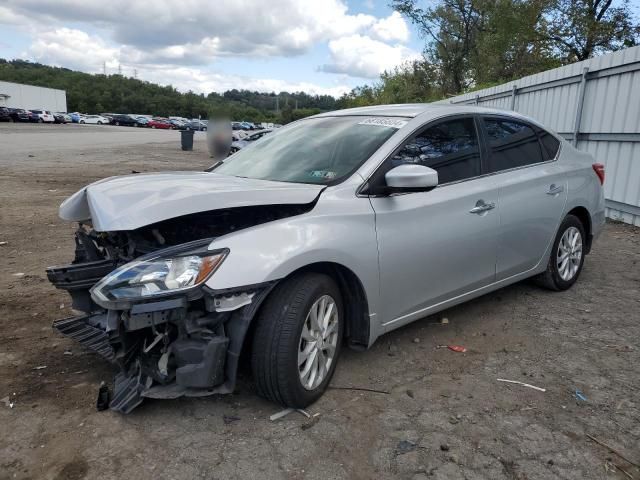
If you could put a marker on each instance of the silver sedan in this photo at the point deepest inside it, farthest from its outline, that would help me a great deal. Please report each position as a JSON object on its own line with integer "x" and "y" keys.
{"x": 328, "y": 232}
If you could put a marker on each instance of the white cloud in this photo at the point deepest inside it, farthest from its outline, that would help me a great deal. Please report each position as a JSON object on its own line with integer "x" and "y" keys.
{"x": 78, "y": 50}
{"x": 74, "y": 49}
{"x": 362, "y": 56}
{"x": 179, "y": 42}
{"x": 392, "y": 28}
{"x": 201, "y": 81}
{"x": 241, "y": 27}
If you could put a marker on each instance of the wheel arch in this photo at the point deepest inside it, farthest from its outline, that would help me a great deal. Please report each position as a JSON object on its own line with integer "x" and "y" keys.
{"x": 354, "y": 296}
{"x": 585, "y": 218}
{"x": 357, "y": 327}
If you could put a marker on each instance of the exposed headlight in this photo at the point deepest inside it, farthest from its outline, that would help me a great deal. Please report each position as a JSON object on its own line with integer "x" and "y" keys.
{"x": 164, "y": 273}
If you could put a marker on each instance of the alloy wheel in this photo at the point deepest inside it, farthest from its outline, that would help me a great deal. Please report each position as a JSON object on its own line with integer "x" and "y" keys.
{"x": 569, "y": 253}
{"x": 318, "y": 342}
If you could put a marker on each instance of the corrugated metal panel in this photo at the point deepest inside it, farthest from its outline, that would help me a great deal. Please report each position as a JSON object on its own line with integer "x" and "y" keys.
{"x": 611, "y": 106}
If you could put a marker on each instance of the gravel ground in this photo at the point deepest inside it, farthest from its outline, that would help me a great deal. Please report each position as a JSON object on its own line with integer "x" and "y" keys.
{"x": 445, "y": 416}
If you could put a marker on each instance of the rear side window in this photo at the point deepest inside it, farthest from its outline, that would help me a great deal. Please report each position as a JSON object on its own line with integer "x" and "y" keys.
{"x": 512, "y": 144}
{"x": 450, "y": 148}
{"x": 550, "y": 144}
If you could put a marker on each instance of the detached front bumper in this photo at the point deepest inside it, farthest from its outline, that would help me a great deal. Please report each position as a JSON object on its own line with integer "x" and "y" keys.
{"x": 176, "y": 346}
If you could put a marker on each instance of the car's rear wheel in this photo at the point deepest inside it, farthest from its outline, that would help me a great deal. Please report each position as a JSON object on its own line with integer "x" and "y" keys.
{"x": 567, "y": 256}
{"x": 297, "y": 340}
{"x": 99, "y": 122}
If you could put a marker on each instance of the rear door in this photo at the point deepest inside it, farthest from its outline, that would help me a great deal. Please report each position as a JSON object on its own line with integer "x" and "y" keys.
{"x": 533, "y": 192}
{"x": 436, "y": 245}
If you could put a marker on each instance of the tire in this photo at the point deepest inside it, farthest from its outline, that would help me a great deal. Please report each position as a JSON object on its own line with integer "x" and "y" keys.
{"x": 278, "y": 340}
{"x": 99, "y": 122}
{"x": 204, "y": 129}
{"x": 556, "y": 277}
{"x": 40, "y": 120}
{"x": 117, "y": 124}
{"x": 153, "y": 126}
{"x": 82, "y": 121}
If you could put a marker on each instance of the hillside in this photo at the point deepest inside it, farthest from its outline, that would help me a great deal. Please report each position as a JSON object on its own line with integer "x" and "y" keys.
{"x": 89, "y": 93}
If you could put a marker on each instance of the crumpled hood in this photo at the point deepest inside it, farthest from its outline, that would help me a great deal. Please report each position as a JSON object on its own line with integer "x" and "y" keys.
{"x": 133, "y": 201}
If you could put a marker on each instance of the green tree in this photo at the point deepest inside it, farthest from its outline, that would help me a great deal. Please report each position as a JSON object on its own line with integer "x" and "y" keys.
{"x": 580, "y": 29}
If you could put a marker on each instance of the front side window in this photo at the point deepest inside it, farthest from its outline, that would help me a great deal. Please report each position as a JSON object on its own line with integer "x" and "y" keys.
{"x": 323, "y": 150}
{"x": 451, "y": 148}
{"x": 511, "y": 144}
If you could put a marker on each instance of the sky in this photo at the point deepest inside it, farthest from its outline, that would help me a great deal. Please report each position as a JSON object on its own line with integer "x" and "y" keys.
{"x": 316, "y": 46}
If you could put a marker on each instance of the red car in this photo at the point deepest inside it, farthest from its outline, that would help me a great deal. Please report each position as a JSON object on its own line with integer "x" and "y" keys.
{"x": 160, "y": 123}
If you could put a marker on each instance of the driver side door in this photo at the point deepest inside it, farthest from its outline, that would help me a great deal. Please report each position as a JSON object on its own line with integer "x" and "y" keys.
{"x": 435, "y": 246}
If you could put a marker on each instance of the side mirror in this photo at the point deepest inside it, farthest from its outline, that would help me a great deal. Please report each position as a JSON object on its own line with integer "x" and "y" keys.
{"x": 411, "y": 178}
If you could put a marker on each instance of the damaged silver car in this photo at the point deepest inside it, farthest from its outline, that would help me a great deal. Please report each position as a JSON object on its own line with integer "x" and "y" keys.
{"x": 326, "y": 233}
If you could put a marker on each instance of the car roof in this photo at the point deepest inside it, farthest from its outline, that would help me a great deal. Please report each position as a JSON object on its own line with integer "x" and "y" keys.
{"x": 413, "y": 110}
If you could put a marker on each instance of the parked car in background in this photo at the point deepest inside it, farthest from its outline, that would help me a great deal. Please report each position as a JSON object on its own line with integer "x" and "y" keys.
{"x": 178, "y": 124}
{"x": 5, "y": 115}
{"x": 41, "y": 116}
{"x": 238, "y": 135}
{"x": 142, "y": 121}
{"x": 18, "y": 114}
{"x": 247, "y": 139}
{"x": 329, "y": 233}
{"x": 161, "y": 123}
{"x": 236, "y": 126}
{"x": 196, "y": 124}
{"x": 94, "y": 119}
{"x": 76, "y": 117}
{"x": 124, "y": 120}
{"x": 60, "y": 117}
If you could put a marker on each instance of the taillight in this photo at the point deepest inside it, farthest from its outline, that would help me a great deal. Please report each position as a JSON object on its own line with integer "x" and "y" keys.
{"x": 599, "y": 169}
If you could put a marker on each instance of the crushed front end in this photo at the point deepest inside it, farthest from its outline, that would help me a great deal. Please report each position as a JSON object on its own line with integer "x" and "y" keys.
{"x": 146, "y": 309}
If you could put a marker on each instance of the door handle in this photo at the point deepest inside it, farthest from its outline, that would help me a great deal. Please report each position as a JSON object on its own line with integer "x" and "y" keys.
{"x": 482, "y": 207}
{"x": 555, "y": 189}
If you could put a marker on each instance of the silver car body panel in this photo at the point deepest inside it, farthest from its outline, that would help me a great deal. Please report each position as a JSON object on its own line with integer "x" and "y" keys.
{"x": 414, "y": 254}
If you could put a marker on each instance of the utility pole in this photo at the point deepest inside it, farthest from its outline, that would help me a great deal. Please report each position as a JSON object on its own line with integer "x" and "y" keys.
{"x": 104, "y": 68}
{"x": 135, "y": 73}
{"x": 120, "y": 69}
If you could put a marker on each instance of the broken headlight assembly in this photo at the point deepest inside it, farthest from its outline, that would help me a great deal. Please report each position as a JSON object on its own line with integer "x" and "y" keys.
{"x": 167, "y": 272}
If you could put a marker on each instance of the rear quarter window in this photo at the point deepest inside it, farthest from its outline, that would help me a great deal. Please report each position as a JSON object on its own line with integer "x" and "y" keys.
{"x": 550, "y": 144}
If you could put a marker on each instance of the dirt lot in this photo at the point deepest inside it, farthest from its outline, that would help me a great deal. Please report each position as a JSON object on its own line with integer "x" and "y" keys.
{"x": 445, "y": 416}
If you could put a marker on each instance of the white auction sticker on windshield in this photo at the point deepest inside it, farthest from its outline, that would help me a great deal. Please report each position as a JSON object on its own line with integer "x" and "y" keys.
{"x": 384, "y": 122}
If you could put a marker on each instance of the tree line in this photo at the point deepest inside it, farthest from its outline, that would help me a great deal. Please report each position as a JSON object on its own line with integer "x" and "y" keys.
{"x": 97, "y": 93}
{"x": 474, "y": 44}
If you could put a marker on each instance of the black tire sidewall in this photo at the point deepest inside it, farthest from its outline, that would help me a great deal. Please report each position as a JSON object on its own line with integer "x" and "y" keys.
{"x": 324, "y": 286}
{"x": 560, "y": 283}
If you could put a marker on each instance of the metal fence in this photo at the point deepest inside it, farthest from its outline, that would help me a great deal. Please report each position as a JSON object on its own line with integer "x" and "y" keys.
{"x": 596, "y": 105}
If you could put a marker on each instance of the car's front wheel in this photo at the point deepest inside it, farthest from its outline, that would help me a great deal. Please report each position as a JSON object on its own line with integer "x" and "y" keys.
{"x": 567, "y": 256}
{"x": 297, "y": 340}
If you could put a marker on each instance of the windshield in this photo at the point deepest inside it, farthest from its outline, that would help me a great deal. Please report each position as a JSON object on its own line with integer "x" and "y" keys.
{"x": 317, "y": 150}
